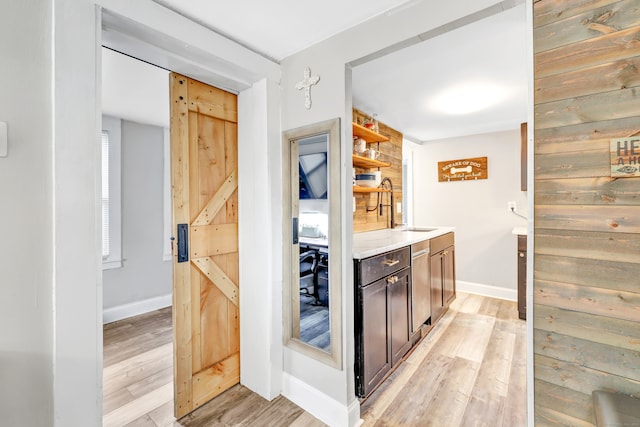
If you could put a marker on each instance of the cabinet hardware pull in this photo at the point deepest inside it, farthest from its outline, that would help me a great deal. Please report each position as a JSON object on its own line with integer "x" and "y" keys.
{"x": 183, "y": 242}
{"x": 392, "y": 279}
{"x": 391, "y": 262}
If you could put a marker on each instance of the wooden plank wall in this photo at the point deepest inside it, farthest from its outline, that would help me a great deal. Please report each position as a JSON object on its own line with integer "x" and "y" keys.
{"x": 587, "y": 225}
{"x": 389, "y": 152}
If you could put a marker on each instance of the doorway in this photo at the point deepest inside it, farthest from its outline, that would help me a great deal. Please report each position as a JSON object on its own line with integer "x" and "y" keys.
{"x": 211, "y": 146}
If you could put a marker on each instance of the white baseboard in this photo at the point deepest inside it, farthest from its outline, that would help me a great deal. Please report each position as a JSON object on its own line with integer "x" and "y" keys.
{"x": 487, "y": 290}
{"x": 134, "y": 308}
{"x": 318, "y": 404}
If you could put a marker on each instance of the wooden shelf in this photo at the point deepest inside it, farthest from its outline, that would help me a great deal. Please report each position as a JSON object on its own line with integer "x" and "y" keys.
{"x": 367, "y": 134}
{"x": 358, "y": 189}
{"x": 365, "y": 162}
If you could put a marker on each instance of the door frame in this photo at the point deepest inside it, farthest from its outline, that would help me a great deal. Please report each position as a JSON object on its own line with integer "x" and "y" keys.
{"x": 254, "y": 80}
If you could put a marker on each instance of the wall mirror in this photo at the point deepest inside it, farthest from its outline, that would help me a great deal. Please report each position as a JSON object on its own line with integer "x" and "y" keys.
{"x": 312, "y": 258}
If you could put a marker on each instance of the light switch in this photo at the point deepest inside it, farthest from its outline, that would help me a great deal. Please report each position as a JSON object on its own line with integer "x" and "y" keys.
{"x": 4, "y": 141}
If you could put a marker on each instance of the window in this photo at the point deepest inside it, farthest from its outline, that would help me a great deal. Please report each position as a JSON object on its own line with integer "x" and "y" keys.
{"x": 111, "y": 193}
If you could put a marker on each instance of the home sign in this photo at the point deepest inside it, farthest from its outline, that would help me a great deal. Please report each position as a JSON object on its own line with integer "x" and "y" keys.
{"x": 463, "y": 170}
{"x": 625, "y": 157}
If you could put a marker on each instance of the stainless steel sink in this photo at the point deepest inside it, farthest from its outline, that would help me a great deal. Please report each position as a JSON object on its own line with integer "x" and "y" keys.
{"x": 420, "y": 229}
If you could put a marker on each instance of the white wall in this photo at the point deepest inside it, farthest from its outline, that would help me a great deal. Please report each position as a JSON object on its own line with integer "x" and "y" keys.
{"x": 144, "y": 274}
{"x": 260, "y": 241}
{"x": 486, "y": 251}
{"x": 26, "y": 263}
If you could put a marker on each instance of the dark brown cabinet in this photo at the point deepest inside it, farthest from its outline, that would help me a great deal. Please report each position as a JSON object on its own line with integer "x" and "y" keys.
{"x": 400, "y": 336}
{"x": 382, "y": 321}
{"x": 443, "y": 276}
{"x": 373, "y": 350}
{"x": 522, "y": 277}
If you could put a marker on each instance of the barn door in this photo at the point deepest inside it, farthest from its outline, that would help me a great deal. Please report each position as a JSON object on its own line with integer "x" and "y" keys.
{"x": 204, "y": 174}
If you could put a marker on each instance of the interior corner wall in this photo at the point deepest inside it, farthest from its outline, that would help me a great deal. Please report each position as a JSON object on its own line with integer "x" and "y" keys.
{"x": 486, "y": 250}
{"x": 144, "y": 274}
{"x": 26, "y": 221}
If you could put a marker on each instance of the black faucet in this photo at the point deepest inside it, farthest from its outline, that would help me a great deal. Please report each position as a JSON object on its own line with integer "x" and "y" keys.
{"x": 387, "y": 180}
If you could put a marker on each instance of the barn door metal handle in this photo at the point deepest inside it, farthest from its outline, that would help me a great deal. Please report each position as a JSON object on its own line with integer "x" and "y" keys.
{"x": 183, "y": 242}
{"x": 294, "y": 229}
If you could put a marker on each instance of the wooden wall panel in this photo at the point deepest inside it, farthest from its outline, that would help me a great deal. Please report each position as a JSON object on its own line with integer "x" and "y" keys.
{"x": 550, "y": 139}
{"x": 586, "y": 267}
{"x": 550, "y": 11}
{"x": 588, "y": 191}
{"x": 596, "y": 51}
{"x": 601, "y": 78}
{"x": 601, "y": 329}
{"x": 619, "y": 219}
{"x": 602, "y": 274}
{"x": 366, "y": 217}
{"x": 580, "y": 26}
{"x": 619, "y": 247}
{"x": 556, "y": 400}
{"x": 582, "y": 379}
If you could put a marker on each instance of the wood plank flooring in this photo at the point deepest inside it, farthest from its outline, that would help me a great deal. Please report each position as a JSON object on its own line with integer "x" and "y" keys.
{"x": 469, "y": 371}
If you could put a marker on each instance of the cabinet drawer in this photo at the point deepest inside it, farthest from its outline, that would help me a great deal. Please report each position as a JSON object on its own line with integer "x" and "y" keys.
{"x": 441, "y": 242}
{"x": 379, "y": 266}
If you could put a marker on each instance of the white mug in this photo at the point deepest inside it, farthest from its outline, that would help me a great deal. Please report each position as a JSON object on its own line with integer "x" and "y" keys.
{"x": 373, "y": 154}
{"x": 359, "y": 146}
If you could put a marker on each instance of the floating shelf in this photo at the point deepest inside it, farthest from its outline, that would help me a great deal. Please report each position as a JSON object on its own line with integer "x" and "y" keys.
{"x": 365, "y": 162}
{"x": 357, "y": 189}
{"x": 367, "y": 134}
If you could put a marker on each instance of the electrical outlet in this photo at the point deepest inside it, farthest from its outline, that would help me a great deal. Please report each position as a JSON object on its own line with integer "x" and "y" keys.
{"x": 399, "y": 207}
{"x": 511, "y": 206}
{"x": 354, "y": 204}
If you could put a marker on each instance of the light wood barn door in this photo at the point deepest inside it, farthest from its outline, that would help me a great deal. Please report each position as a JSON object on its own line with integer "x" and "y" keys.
{"x": 204, "y": 173}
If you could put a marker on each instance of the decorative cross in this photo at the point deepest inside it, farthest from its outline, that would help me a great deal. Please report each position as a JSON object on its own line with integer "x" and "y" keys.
{"x": 306, "y": 84}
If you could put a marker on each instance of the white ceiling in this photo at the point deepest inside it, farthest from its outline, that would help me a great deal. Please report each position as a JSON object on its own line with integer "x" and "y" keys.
{"x": 398, "y": 87}
{"x": 279, "y": 28}
{"x": 401, "y": 86}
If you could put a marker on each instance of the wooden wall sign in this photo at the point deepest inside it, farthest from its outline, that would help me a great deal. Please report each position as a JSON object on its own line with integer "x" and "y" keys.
{"x": 625, "y": 157}
{"x": 463, "y": 170}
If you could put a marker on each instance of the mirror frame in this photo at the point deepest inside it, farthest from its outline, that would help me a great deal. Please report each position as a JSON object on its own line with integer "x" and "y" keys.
{"x": 290, "y": 289}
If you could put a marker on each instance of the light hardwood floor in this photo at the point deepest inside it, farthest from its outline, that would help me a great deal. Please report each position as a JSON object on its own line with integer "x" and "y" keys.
{"x": 469, "y": 371}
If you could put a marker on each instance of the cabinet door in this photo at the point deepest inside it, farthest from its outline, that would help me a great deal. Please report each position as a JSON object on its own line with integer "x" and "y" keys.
{"x": 375, "y": 344}
{"x": 437, "y": 303}
{"x": 449, "y": 275}
{"x": 400, "y": 337}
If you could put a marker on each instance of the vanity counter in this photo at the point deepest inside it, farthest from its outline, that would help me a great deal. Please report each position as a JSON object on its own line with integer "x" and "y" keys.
{"x": 372, "y": 243}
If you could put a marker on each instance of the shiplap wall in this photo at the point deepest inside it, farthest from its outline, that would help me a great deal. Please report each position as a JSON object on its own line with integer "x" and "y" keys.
{"x": 391, "y": 152}
{"x": 587, "y": 225}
